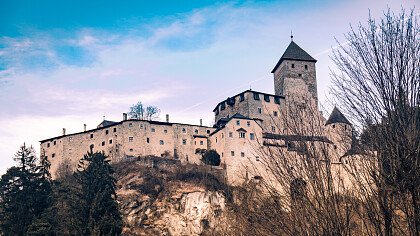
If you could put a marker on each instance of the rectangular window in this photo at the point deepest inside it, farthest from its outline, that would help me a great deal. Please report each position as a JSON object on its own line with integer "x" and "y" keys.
{"x": 184, "y": 130}
{"x": 273, "y": 128}
{"x": 165, "y": 131}
{"x": 306, "y": 67}
{"x": 242, "y": 154}
{"x": 141, "y": 126}
{"x": 238, "y": 122}
{"x": 300, "y": 75}
{"x": 130, "y": 124}
{"x": 115, "y": 130}
{"x": 110, "y": 141}
{"x": 256, "y": 96}
{"x": 131, "y": 150}
{"x": 103, "y": 143}
{"x": 48, "y": 144}
{"x": 153, "y": 129}
{"x": 266, "y": 98}
{"x": 275, "y": 113}
{"x": 248, "y": 123}
{"x": 241, "y": 135}
{"x": 106, "y": 131}
{"x": 232, "y": 153}
{"x": 70, "y": 139}
{"x": 184, "y": 142}
{"x": 53, "y": 155}
{"x": 260, "y": 110}
{"x": 161, "y": 142}
{"x": 252, "y": 136}
{"x": 196, "y": 131}
{"x": 147, "y": 140}
{"x": 91, "y": 135}
{"x": 55, "y": 142}
{"x": 241, "y": 97}
{"x": 201, "y": 143}
{"x": 257, "y": 158}
{"x": 230, "y": 134}
{"x": 277, "y": 100}
{"x": 223, "y": 106}
{"x": 130, "y": 139}
{"x": 293, "y": 65}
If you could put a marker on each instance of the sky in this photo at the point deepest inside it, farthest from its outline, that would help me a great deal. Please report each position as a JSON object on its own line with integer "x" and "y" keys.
{"x": 68, "y": 63}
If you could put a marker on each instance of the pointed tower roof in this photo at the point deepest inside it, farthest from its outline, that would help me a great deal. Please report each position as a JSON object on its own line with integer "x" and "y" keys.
{"x": 294, "y": 52}
{"x": 337, "y": 117}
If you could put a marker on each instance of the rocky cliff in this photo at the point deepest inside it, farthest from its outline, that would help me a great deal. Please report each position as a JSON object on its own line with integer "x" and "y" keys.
{"x": 162, "y": 197}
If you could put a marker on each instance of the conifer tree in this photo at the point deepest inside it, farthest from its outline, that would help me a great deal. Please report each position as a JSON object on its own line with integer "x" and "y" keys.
{"x": 94, "y": 174}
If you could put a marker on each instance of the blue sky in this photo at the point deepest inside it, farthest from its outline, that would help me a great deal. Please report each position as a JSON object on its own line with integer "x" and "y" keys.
{"x": 69, "y": 63}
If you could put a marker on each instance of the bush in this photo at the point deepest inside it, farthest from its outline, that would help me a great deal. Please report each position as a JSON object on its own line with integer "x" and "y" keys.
{"x": 211, "y": 157}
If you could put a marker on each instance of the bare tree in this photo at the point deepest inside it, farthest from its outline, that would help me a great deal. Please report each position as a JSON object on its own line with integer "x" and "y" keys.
{"x": 378, "y": 85}
{"x": 141, "y": 112}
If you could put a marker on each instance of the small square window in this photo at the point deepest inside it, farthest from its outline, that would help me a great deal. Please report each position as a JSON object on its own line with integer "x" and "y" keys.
{"x": 110, "y": 141}
{"x": 165, "y": 131}
{"x": 230, "y": 134}
{"x": 115, "y": 130}
{"x": 131, "y": 150}
{"x": 256, "y": 96}
{"x": 106, "y": 131}
{"x": 232, "y": 153}
{"x": 130, "y": 124}
{"x": 241, "y": 97}
{"x": 293, "y": 65}
{"x": 266, "y": 98}
{"x": 184, "y": 130}
{"x": 48, "y": 144}
{"x": 300, "y": 75}
{"x": 55, "y": 142}
{"x": 161, "y": 142}
{"x": 103, "y": 143}
{"x": 130, "y": 139}
{"x": 275, "y": 113}
{"x": 184, "y": 142}
{"x": 242, "y": 154}
{"x": 260, "y": 110}
{"x": 201, "y": 143}
{"x": 306, "y": 67}
{"x": 91, "y": 135}
{"x": 153, "y": 129}
{"x": 238, "y": 122}
{"x": 147, "y": 140}
{"x": 257, "y": 158}
{"x": 276, "y": 100}
{"x": 53, "y": 155}
{"x": 252, "y": 136}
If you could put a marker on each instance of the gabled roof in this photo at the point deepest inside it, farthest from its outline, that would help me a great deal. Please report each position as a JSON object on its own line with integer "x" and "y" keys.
{"x": 337, "y": 117}
{"x": 294, "y": 52}
{"x": 106, "y": 123}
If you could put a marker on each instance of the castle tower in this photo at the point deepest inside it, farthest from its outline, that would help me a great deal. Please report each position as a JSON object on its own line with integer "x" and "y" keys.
{"x": 339, "y": 131}
{"x": 296, "y": 68}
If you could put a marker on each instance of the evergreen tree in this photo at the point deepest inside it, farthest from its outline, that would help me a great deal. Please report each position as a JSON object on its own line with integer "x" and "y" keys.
{"x": 24, "y": 192}
{"x": 94, "y": 174}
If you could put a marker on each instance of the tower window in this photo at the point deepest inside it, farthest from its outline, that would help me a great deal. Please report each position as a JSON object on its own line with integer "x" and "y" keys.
{"x": 232, "y": 153}
{"x": 230, "y": 134}
{"x": 242, "y": 154}
{"x": 103, "y": 143}
{"x": 161, "y": 142}
{"x": 196, "y": 131}
{"x": 266, "y": 98}
{"x": 333, "y": 126}
{"x": 306, "y": 67}
{"x": 201, "y": 143}
{"x": 275, "y": 113}
{"x": 130, "y": 139}
{"x": 273, "y": 128}
{"x": 238, "y": 122}
{"x": 147, "y": 140}
{"x": 184, "y": 130}
{"x": 252, "y": 136}
{"x": 184, "y": 142}
{"x": 293, "y": 65}
{"x": 260, "y": 110}
{"x": 276, "y": 100}
{"x": 256, "y": 96}
{"x": 115, "y": 130}
{"x": 110, "y": 141}
{"x": 241, "y": 97}
{"x": 153, "y": 129}
{"x": 106, "y": 131}
{"x": 91, "y": 136}
{"x": 300, "y": 75}
{"x": 48, "y": 144}
{"x": 131, "y": 149}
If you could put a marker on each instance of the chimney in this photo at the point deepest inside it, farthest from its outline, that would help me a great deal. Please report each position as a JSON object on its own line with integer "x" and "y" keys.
{"x": 84, "y": 127}
{"x": 124, "y": 116}
{"x": 201, "y": 122}
{"x": 167, "y": 118}
{"x": 64, "y": 131}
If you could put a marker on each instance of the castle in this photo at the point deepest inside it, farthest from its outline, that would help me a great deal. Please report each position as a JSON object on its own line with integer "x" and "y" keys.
{"x": 244, "y": 123}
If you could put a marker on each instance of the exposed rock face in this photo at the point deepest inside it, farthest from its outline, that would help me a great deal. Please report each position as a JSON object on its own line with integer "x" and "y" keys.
{"x": 162, "y": 200}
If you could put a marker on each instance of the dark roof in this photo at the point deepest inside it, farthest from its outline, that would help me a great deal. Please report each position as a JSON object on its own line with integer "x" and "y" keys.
{"x": 296, "y": 137}
{"x": 229, "y": 99}
{"x": 106, "y": 123}
{"x": 223, "y": 121}
{"x": 337, "y": 117}
{"x": 294, "y": 52}
{"x": 241, "y": 130}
